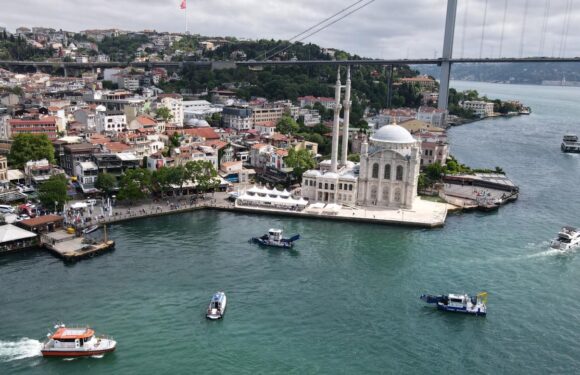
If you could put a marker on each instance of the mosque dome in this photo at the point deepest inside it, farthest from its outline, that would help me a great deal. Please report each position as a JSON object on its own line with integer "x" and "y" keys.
{"x": 393, "y": 134}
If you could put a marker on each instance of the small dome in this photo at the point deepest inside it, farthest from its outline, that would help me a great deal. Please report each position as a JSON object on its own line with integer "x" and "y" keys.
{"x": 393, "y": 134}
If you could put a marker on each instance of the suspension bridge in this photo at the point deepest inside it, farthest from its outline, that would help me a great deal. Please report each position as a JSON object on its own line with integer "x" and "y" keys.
{"x": 445, "y": 61}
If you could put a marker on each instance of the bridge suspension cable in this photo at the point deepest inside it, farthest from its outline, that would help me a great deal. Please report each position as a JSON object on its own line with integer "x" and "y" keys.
{"x": 526, "y": 6}
{"x": 544, "y": 28}
{"x": 464, "y": 28}
{"x": 565, "y": 27}
{"x": 505, "y": 8}
{"x": 316, "y": 25}
{"x": 325, "y": 26}
{"x": 483, "y": 30}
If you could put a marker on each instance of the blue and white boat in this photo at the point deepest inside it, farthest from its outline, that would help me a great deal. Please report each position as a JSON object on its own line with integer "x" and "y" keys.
{"x": 461, "y": 303}
{"x": 274, "y": 238}
{"x": 217, "y": 306}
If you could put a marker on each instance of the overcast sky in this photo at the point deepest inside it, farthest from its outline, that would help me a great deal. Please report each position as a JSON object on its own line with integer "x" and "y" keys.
{"x": 383, "y": 29}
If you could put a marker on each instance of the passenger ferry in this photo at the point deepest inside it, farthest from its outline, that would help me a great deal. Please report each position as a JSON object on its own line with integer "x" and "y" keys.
{"x": 570, "y": 143}
{"x": 217, "y": 306}
{"x": 76, "y": 342}
{"x": 567, "y": 239}
{"x": 461, "y": 303}
{"x": 274, "y": 238}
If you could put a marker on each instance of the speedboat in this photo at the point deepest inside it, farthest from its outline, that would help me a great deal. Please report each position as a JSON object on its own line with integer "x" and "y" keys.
{"x": 570, "y": 143}
{"x": 217, "y": 306}
{"x": 76, "y": 342}
{"x": 274, "y": 238}
{"x": 461, "y": 303}
{"x": 568, "y": 238}
{"x": 90, "y": 229}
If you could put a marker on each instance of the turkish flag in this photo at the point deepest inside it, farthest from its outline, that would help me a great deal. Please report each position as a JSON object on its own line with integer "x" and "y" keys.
{"x": 183, "y": 4}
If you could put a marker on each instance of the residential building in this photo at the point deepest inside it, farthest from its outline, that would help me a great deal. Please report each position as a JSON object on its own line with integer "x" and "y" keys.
{"x": 76, "y": 153}
{"x": 87, "y": 173}
{"x": 174, "y": 102}
{"x": 111, "y": 122}
{"x": 327, "y": 103}
{"x": 310, "y": 117}
{"x": 44, "y": 125}
{"x": 479, "y": 107}
{"x": 424, "y": 82}
{"x": 433, "y": 116}
{"x": 266, "y": 128}
{"x": 237, "y": 117}
{"x": 267, "y": 114}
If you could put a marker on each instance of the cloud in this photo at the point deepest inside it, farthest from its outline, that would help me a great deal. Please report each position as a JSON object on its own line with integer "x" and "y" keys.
{"x": 383, "y": 29}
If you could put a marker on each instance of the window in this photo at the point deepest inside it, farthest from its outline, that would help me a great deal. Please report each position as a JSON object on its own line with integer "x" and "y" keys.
{"x": 350, "y": 187}
{"x": 331, "y": 186}
{"x": 398, "y": 195}
{"x": 387, "y": 175}
{"x": 385, "y": 194}
{"x": 320, "y": 185}
{"x": 399, "y": 173}
{"x": 339, "y": 186}
{"x": 326, "y": 186}
{"x": 376, "y": 170}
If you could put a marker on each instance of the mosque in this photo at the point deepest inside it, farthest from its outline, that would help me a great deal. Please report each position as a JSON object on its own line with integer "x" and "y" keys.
{"x": 388, "y": 172}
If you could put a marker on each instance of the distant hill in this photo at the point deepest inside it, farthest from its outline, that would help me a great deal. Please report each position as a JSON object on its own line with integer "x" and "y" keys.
{"x": 519, "y": 73}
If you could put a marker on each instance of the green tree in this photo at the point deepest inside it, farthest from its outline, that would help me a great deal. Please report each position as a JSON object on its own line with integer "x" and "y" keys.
{"x": 106, "y": 183}
{"x": 26, "y": 147}
{"x": 300, "y": 160}
{"x": 287, "y": 125}
{"x": 53, "y": 192}
{"x": 164, "y": 177}
{"x": 203, "y": 173}
{"x": 164, "y": 113}
{"x": 134, "y": 185}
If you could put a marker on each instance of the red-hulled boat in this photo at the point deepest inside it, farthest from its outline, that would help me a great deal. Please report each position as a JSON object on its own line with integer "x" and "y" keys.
{"x": 76, "y": 342}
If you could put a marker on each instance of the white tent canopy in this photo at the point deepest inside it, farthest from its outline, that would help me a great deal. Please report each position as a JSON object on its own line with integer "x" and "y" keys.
{"x": 11, "y": 232}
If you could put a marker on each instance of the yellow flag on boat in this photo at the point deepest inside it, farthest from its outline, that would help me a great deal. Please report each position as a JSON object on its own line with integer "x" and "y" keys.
{"x": 483, "y": 297}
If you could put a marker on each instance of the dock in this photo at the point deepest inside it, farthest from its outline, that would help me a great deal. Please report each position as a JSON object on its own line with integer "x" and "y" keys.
{"x": 71, "y": 247}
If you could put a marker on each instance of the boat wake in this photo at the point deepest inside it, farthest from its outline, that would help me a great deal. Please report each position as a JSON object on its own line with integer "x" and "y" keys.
{"x": 98, "y": 356}
{"x": 23, "y": 348}
{"x": 546, "y": 253}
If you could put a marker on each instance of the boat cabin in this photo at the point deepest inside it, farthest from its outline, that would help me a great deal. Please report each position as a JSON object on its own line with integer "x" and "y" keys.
{"x": 275, "y": 234}
{"x": 217, "y": 301}
{"x": 570, "y": 138}
{"x": 566, "y": 234}
{"x": 72, "y": 337}
{"x": 457, "y": 300}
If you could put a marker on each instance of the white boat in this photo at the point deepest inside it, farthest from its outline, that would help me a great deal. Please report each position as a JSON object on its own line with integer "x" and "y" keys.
{"x": 460, "y": 303}
{"x": 76, "y": 342}
{"x": 567, "y": 239}
{"x": 217, "y": 306}
{"x": 90, "y": 229}
{"x": 570, "y": 143}
{"x": 274, "y": 238}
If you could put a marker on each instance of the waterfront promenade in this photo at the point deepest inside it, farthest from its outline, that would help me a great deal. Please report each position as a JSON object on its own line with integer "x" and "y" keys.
{"x": 424, "y": 214}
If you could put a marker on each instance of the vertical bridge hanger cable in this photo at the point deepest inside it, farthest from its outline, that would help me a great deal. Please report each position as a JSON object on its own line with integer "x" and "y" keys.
{"x": 483, "y": 30}
{"x": 526, "y": 6}
{"x": 544, "y": 28}
{"x": 505, "y": 8}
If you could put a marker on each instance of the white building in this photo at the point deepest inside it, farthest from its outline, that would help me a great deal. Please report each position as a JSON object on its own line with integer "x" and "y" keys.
{"x": 110, "y": 122}
{"x": 86, "y": 173}
{"x": 387, "y": 175}
{"x": 479, "y": 107}
{"x": 237, "y": 117}
{"x": 433, "y": 116}
{"x": 174, "y": 102}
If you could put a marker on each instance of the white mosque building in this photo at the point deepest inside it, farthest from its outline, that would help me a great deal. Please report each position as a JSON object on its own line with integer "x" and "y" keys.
{"x": 388, "y": 172}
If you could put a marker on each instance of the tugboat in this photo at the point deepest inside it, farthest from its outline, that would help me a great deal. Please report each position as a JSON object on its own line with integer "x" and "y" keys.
{"x": 76, "y": 342}
{"x": 461, "y": 303}
{"x": 274, "y": 238}
{"x": 570, "y": 143}
{"x": 568, "y": 238}
{"x": 217, "y": 306}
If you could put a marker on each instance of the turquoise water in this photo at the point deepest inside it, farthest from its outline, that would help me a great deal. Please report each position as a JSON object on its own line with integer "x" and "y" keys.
{"x": 346, "y": 301}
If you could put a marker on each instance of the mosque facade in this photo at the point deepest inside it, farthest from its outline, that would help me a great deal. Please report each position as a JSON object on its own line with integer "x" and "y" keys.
{"x": 387, "y": 175}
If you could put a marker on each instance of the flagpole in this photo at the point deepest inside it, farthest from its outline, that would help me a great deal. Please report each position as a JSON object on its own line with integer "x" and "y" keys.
{"x": 186, "y": 31}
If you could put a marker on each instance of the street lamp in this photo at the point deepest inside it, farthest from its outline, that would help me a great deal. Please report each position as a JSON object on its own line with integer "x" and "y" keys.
{"x": 55, "y": 204}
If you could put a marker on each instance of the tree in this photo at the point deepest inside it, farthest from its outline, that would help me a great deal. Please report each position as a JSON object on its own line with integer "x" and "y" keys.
{"x": 163, "y": 178}
{"x": 26, "y": 147}
{"x": 52, "y": 193}
{"x": 164, "y": 113}
{"x": 106, "y": 183}
{"x": 287, "y": 125}
{"x": 203, "y": 173}
{"x": 135, "y": 184}
{"x": 300, "y": 160}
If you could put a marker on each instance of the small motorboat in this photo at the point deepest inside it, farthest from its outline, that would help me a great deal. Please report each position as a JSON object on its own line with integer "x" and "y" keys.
{"x": 568, "y": 238}
{"x": 461, "y": 303}
{"x": 90, "y": 229}
{"x": 274, "y": 238}
{"x": 76, "y": 342}
{"x": 217, "y": 306}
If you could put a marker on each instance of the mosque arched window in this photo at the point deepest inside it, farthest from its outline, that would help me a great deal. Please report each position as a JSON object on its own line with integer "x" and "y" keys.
{"x": 397, "y": 195}
{"x": 376, "y": 170}
{"x": 385, "y": 194}
{"x": 399, "y": 173}
{"x": 374, "y": 194}
{"x": 387, "y": 174}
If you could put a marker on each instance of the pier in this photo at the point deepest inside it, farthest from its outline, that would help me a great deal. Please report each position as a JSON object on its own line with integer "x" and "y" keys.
{"x": 71, "y": 247}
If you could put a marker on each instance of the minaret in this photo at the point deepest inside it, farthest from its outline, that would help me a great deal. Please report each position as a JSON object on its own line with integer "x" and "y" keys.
{"x": 345, "y": 124}
{"x": 336, "y": 125}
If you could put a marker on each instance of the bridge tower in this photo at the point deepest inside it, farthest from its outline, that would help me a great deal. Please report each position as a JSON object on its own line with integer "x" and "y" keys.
{"x": 447, "y": 54}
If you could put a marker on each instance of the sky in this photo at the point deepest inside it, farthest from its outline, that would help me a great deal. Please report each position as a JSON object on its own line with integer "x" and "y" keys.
{"x": 383, "y": 29}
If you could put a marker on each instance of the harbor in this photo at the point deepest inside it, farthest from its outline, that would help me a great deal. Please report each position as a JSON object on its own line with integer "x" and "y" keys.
{"x": 345, "y": 300}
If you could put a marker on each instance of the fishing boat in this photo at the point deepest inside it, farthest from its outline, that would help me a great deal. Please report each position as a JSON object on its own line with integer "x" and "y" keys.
{"x": 274, "y": 238}
{"x": 90, "y": 229}
{"x": 568, "y": 238}
{"x": 461, "y": 303}
{"x": 76, "y": 342}
{"x": 217, "y": 306}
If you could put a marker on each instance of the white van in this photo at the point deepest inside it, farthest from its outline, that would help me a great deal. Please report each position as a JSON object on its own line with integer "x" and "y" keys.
{"x": 5, "y": 209}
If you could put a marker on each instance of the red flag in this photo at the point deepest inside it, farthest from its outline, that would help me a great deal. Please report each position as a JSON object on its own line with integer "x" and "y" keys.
{"x": 183, "y": 4}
